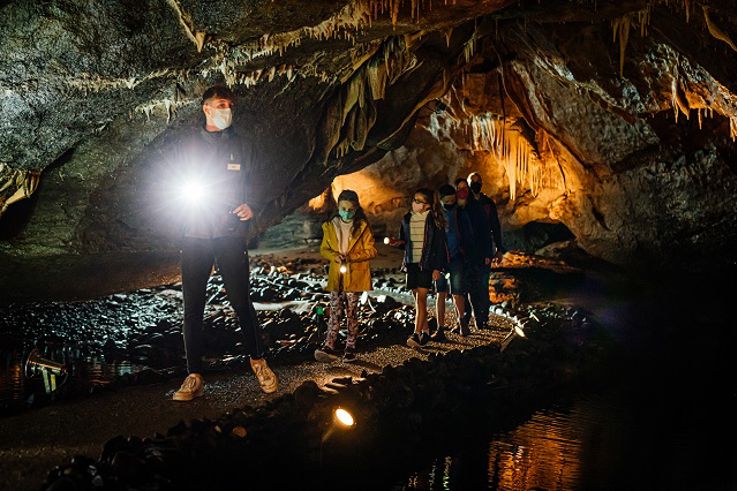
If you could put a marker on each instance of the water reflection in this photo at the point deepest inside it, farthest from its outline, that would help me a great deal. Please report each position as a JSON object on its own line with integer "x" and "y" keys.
{"x": 544, "y": 453}
{"x": 21, "y": 388}
{"x": 641, "y": 437}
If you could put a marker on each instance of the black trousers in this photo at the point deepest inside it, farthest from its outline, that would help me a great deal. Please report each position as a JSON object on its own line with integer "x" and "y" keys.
{"x": 477, "y": 278}
{"x": 231, "y": 256}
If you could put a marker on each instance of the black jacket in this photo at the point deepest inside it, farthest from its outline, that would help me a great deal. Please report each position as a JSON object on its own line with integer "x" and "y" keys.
{"x": 482, "y": 241}
{"x": 223, "y": 165}
{"x": 433, "y": 257}
{"x": 492, "y": 216}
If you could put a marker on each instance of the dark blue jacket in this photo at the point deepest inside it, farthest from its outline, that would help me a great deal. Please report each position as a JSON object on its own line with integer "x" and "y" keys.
{"x": 492, "y": 216}
{"x": 434, "y": 250}
{"x": 482, "y": 241}
{"x": 463, "y": 230}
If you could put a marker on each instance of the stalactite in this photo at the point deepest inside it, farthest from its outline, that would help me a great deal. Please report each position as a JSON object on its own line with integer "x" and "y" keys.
{"x": 168, "y": 107}
{"x": 733, "y": 127}
{"x": 509, "y": 147}
{"x": 715, "y": 31}
{"x": 87, "y": 83}
{"x": 469, "y": 49}
{"x": 621, "y": 31}
{"x": 197, "y": 37}
{"x": 16, "y": 184}
{"x": 352, "y": 114}
{"x": 678, "y": 103}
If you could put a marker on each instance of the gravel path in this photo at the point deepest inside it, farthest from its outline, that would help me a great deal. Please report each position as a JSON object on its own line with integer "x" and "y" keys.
{"x": 32, "y": 443}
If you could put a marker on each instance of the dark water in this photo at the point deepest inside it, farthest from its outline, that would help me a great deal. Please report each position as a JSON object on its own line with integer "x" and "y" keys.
{"x": 614, "y": 440}
{"x": 21, "y": 388}
{"x": 663, "y": 417}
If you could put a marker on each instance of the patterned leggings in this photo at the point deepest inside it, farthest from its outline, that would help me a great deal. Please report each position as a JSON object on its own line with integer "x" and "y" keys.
{"x": 338, "y": 302}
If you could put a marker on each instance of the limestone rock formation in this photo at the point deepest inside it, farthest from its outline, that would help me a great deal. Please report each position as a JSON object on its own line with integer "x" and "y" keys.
{"x": 628, "y": 143}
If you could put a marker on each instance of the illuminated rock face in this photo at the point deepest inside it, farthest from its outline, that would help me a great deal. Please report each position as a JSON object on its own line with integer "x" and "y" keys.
{"x": 639, "y": 165}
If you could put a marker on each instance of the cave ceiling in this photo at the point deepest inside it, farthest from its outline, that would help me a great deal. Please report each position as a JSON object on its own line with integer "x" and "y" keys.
{"x": 582, "y": 106}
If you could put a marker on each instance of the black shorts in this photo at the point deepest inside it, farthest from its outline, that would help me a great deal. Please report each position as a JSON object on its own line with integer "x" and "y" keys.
{"x": 457, "y": 279}
{"x": 418, "y": 278}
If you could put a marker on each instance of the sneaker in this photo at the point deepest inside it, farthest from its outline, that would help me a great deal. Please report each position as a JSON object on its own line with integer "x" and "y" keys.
{"x": 424, "y": 338}
{"x": 439, "y": 335}
{"x": 414, "y": 341}
{"x": 349, "y": 355}
{"x": 192, "y": 388}
{"x": 326, "y": 354}
{"x": 266, "y": 377}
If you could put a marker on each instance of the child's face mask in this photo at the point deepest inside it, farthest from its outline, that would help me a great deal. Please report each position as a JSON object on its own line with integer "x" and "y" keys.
{"x": 346, "y": 210}
{"x": 347, "y": 215}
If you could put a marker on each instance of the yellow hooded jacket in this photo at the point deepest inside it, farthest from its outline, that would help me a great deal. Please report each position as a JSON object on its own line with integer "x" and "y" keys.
{"x": 361, "y": 248}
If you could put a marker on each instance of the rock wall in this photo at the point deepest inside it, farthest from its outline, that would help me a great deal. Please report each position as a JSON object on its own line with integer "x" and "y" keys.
{"x": 626, "y": 143}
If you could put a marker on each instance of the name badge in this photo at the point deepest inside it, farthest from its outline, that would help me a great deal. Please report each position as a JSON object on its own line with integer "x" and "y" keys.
{"x": 232, "y": 166}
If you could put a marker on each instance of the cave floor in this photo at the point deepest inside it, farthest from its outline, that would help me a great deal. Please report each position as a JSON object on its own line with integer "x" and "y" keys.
{"x": 34, "y": 442}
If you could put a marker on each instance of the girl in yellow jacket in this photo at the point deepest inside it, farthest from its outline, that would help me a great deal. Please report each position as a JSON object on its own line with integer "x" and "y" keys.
{"x": 347, "y": 242}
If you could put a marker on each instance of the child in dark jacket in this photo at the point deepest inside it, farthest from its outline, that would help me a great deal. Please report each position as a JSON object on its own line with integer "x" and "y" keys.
{"x": 425, "y": 256}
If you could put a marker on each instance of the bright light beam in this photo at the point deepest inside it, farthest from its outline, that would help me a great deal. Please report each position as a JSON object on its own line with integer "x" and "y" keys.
{"x": 344, "y": 418}
{"x": 192, "y": 193}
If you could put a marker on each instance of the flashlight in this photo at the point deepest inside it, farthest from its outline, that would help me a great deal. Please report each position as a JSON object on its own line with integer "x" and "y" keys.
{"x": 343, "y": 268}
{"x": 387, "y": 240}
{"x": 192, "y": 193}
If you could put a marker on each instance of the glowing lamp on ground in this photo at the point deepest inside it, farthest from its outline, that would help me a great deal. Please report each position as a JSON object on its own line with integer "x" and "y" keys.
{"x": 387, "y": 240}
{"x": 343, "y": 418}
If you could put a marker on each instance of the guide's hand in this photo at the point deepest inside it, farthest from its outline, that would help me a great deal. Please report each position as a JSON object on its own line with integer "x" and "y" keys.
{"x": 435, "y": 275}
{"x": 243, "y": 211}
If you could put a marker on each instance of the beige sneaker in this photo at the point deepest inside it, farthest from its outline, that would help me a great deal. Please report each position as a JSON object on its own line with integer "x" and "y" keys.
{"x": 192, "y": 387}
{"x": 266, "y": 377}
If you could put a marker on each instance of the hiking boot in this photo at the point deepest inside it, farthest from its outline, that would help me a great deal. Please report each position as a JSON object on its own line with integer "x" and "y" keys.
{"x": 439, "y": 335}
{"x": 464, "y": 330}
{"x": 414, "y": 341}
{"x": 192, "y": 387}
{"x": 424, "y": 338}
{"x": 326, "y": 354}
{"x": 349, "y": 355}
{"x": 266, "y": 377}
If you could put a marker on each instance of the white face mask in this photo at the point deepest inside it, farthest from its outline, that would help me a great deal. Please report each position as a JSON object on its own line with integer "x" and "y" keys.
{"x": 222, "y": 118}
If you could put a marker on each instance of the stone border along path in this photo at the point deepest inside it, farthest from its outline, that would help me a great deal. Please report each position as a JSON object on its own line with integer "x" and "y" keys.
{"x": 33, "y": 442}
{"x": 402, "y": 413}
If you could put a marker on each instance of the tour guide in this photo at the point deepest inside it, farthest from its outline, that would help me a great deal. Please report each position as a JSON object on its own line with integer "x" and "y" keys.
{"x": 217, "y": 173}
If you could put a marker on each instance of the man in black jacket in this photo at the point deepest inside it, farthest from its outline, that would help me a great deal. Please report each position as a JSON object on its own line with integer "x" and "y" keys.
{"x": 490, "y": 228}
{"x": 211, "y": 189}
{"x": 477, "y": 255}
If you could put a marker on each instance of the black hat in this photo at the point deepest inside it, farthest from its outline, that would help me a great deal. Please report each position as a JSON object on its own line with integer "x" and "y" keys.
{"x": 446, "y": 190}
